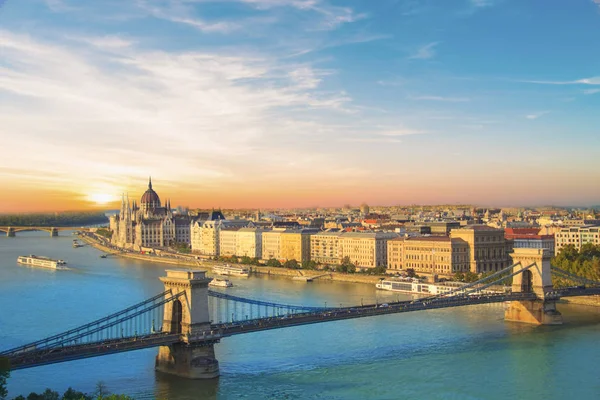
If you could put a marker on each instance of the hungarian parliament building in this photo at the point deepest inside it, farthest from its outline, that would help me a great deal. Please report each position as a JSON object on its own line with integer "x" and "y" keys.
{"x": 148, "y": 224}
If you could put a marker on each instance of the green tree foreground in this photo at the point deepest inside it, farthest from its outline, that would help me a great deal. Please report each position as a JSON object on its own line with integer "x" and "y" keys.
{"x": 584, "y": 262}
{"x": 101, "y": 393}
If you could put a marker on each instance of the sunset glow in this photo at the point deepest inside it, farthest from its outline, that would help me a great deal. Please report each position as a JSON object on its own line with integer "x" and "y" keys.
{"x": 274, "y": 104}
{"x": 101, "y": 198}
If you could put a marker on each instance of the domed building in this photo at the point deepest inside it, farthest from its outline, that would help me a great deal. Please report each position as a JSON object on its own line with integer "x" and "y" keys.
{"x": 148, "y": 225}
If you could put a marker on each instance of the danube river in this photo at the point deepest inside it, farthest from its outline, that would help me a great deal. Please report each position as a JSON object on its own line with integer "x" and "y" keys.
{"x": 463, "y": 353}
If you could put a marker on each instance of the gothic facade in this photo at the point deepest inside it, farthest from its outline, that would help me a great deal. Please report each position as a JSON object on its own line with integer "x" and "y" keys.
{"x": 148, "y": 224}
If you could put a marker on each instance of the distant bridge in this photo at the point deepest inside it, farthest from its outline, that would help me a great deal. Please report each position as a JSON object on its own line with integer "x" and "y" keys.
{"x": 53, "y": 230}
{"x": 193, "y": 318}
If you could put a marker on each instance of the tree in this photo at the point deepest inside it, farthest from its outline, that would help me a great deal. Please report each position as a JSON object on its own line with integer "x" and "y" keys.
{"x": 410, "y": 272}
{"x": 101, "y": 390}
{"x": 309, "y": 264}
{"x": 246, "y": 260}
{"x": 273, "y": 263}
{"x": 379, "y": 270}
{"x": 459, "y": 277}
{"x": 4, "y": 374}
{"x": 346, "y": 266}
{"x": 72, "y": 394}
{"x": 234, "y": 260}
{"x": 48, "y": 394}
{"x": 293, "y": 264}
{"x": 471, "y": 277}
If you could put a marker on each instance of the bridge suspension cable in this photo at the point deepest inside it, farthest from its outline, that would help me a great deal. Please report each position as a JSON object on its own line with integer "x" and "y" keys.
{"x": 480, "y": 284}
{"x": 576, "y": 278}
{"x": 228, "y": 308}
{"x": 142, "y": 318}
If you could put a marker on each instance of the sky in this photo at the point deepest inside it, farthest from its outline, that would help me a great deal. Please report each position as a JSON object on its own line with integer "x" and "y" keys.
{"x": 299, "y": 103}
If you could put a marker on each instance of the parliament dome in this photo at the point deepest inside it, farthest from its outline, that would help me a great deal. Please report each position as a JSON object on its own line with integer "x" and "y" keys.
{"x": 150, "y": 199}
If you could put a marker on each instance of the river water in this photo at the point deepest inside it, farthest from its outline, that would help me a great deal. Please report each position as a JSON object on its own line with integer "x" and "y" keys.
{"x": 463, "y": 353}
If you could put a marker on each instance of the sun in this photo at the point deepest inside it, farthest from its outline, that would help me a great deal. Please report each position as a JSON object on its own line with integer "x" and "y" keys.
{"x": 100, "y": 198}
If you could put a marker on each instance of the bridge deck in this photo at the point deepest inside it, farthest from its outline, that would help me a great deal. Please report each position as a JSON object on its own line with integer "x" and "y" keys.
{"x": 34, "y": 358}
{"x": 229, "y": 329}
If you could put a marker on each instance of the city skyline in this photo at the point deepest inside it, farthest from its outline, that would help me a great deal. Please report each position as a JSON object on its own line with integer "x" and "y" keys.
{"x": 297, "y": 103}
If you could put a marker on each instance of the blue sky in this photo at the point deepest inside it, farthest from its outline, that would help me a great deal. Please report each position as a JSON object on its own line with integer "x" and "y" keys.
{"x": 248, "y": 103}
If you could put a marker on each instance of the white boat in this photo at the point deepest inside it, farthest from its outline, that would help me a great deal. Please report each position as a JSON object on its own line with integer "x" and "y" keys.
{"x": 218, "y": 282}
{"x": 414, "y": 286}
{"x": 41, "y": 261}
{"x": 231, "y": 270}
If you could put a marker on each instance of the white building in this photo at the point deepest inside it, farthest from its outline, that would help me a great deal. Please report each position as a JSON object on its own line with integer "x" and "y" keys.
{"x": 366, "y": 249}
{"x": 325, "y": 247}
{"x": 577, "y": 236}
{"x": 228, "y": 238}
{"x": 249, "y": 242}
{"x": 271, "y": 244}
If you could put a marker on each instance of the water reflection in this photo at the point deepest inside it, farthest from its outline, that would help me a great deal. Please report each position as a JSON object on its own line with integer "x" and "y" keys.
{"x": 467, "y": 352}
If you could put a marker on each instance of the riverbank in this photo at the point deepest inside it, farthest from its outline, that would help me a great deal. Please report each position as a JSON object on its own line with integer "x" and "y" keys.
{"x": 283, "y": 272}
{"x": 583, "y": 300}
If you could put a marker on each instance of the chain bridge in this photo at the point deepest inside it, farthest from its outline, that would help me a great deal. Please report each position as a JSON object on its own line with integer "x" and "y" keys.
{"x": 52, "y": 230}
{"x": 188, "y": 319}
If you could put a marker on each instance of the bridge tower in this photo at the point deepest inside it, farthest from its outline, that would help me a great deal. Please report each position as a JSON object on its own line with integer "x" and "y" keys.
{"x": 538, "y": 280}
{"x": 188, "y": 316}
{"x": 10, "y": 232}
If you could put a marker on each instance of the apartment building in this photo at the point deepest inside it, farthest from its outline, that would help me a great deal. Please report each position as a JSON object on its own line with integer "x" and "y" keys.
{"x": 295, "y": 244}
{"x": 577, "y": 236}
{"x": 271, "y": 244}
{"x": 249, "y": 242}
{"x": 438, "y": 255}
{"x": 489, "y": 250}
{"x": 228, "y": 240}
{"x": 366, "y": 249}
{"x": 325, "y": 247}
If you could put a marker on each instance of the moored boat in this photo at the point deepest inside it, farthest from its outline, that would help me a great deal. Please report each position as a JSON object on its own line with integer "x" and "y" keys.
{"x": 218, "y": 282}
{"x": 41, "y": 261}
{"x": 231, "y": 270}
{"x": 415, "y": 286}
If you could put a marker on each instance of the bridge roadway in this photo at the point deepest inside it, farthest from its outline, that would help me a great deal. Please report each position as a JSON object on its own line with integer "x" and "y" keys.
{"x": 35, "y": 357}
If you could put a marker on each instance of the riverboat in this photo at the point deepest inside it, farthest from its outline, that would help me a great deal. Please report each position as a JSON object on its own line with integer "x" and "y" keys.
{"x": 218, "y": 282}
{"x": 41, "y": 261}
{"x": 415, "y": 286}
{"x": 231, "y": 270}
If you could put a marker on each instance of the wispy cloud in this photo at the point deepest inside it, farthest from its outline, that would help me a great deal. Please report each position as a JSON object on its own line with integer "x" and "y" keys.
{"x": 591, "y": 91}
{"x": 425, "y": 52}
{"x": 177, "y": 12}
{"x": 348, "y": 40}
{"x": 537, "y": 115}
{"x": 178, "y": 104}
{"x": 107, "y": 42}
{"x": 585, "y": 81}
{"x": 401, "y": 132}
{"x": 58, "y": 5}
{"x": 441, "y": 98}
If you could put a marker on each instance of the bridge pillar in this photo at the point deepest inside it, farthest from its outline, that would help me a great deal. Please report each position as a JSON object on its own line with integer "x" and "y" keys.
{"x": 538, "y": 280}
{"x": 10, "y": 232}
{"x": 53, "y": 232}
{"x": 188, "y": 315}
